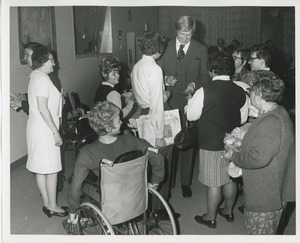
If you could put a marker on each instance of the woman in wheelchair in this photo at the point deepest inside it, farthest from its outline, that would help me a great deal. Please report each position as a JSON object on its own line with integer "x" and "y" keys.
{"x": 104, "y": 118}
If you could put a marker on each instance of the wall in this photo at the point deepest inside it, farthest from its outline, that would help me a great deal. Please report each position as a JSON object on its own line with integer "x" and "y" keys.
{"x": 131, "y": 19}
{"x": 241, "y": 23}
{"x": 289, "y": 32}
{"x": 79, "y": 75}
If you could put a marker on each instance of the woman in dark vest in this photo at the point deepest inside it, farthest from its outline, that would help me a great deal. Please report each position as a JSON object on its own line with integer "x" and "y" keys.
{"x": 217, "y": 106}
{"x": 109, "y": 68}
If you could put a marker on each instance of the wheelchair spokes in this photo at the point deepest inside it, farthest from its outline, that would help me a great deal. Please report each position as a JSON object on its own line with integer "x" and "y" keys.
{"x": 122, "y": 229}
{"x": 91, "y": 222}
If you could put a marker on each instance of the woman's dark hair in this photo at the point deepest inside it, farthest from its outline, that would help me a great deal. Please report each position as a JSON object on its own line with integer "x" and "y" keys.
{"x": 153, "y": 43}
{"x": 262, "y": 52}
{"x": 268, "y": 85}
{"x": 108, "y": 64}
{"x": 32, "y": 46}
{"x": 40, "y": 56}
{"x": 101, "y": 117}
{"x": 245, "y": 53}
{"x": 221, "y": 63}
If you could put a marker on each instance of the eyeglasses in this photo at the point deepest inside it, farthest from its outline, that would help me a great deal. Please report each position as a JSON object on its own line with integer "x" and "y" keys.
{"x": 51, "y": 59}
{"x": 235, "y": 57}
{"x": 253, "y": 58}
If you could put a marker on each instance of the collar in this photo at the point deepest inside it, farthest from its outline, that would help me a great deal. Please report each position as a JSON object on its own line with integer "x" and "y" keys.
{"x": 150, "y": 58}
{"x": 266, "y": 68}
{"x": 261, "y": 112}
{"x": 186, "y": 46}
{"x": 221, "y": 77}
{"x": 108, "y": 83}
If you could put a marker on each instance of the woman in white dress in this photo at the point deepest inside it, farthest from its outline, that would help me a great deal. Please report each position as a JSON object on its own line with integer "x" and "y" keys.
{"x": 43, "y": 138}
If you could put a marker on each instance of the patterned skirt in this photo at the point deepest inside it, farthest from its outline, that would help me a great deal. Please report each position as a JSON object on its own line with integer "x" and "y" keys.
{"x": 212, "y": 168}
{"x": 262, "y": 223}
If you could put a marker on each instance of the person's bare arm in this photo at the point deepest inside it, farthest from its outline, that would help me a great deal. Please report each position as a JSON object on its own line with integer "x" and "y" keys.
{"x": 45, "y": 113}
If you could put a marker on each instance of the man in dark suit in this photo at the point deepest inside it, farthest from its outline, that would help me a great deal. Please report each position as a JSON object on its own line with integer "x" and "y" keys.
{"x": 184, "y": 66}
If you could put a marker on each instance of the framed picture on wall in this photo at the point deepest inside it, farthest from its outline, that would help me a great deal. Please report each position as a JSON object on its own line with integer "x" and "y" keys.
{"x": 92, "y": 30}
{"x": 36, "y": 24}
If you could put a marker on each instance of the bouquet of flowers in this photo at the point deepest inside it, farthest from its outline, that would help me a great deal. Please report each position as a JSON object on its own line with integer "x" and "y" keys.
{"x": 233, "y": 141}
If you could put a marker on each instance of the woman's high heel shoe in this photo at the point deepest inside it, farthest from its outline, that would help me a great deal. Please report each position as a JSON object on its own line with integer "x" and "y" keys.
{"x": 51, "y": 213}
{"x": 44, "y": 209}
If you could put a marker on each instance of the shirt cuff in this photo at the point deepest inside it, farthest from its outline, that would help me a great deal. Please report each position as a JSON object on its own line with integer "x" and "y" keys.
{"x": 166, "y": 81}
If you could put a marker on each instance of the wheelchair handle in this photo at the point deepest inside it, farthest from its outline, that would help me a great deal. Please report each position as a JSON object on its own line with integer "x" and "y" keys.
{"x": 151, "y": 149}
{"x": 107, "y": 162}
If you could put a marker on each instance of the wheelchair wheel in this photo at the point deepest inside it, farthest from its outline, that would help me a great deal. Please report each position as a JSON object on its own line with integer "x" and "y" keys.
{"x": 153, "y": 225}
{"x": 122, "y": 229}
{"x": 92, "y": 221}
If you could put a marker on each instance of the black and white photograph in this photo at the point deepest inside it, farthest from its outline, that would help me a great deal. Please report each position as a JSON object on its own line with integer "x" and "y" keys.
{"x": 80, "y": 78}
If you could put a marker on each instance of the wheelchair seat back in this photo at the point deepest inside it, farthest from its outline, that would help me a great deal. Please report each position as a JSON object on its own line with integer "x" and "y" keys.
{"x": 128, "y": 156}
{"x": 124, "y": 189}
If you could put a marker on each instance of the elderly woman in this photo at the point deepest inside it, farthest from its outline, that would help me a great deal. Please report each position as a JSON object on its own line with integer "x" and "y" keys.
{"x": 104, "y": 118}
{"x": 267, "y": 157}
{"x": 43, "y": 138}
{"x": 109, "y": 68}
{"x": 217, "y": 107}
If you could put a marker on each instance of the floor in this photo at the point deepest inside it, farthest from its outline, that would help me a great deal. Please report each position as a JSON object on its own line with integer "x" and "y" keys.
{"x": 27, "y": 219}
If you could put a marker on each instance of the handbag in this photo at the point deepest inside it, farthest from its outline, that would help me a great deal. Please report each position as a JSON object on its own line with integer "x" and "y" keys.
{"x": 187, "y": 137}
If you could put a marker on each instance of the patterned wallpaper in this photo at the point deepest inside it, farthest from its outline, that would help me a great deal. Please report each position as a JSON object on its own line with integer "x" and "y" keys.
{"x": 241, "y": 23}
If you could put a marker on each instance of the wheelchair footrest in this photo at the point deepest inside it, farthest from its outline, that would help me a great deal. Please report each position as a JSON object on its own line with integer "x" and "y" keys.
{"x": 71, "y": 229}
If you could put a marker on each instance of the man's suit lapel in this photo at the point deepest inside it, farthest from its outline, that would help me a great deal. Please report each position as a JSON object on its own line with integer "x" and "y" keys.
{"x": 189, "y": 55}
{"x": 173, "y": 54}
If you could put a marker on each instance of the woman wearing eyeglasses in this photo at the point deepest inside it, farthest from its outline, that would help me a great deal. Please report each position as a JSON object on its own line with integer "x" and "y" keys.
{"x": 267, "y": 157}
{"x": 43, "y": 138}
{"x": 241, "y": 62}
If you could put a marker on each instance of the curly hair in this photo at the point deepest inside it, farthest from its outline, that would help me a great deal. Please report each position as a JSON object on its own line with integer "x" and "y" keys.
{"x": 107, "y": 65}
{"x": 40, "y": 56}
{"x": 221, "y": 63}
{"x": 248, "y": 78}
{"x": 153, "y": 43}
{"x": 268, "y": 85}
{"x": 101, "y": 117}
{"x": 185, "y": 23}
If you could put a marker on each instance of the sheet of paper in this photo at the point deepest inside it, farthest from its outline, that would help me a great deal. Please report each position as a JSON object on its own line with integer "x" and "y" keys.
{"x": 172, "y": 127}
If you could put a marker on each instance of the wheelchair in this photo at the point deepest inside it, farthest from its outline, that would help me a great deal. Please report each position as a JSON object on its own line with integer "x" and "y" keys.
{"x": 122, "y": 203}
